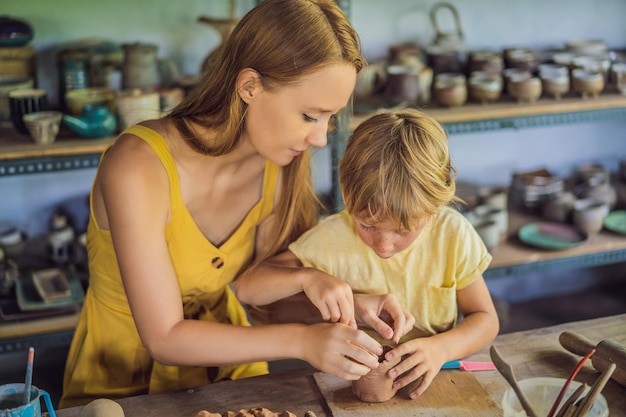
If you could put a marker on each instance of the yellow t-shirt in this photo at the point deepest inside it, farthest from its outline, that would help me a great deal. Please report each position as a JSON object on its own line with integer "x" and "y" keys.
{"x": 447, "y": 256}
{"x": 106, "y": 357}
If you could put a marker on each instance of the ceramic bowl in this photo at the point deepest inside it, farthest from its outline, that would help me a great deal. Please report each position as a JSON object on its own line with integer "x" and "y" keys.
{"x": 485, "y": 87}
{"x": 524, "y": 88}
{"x": 14, "y": 31}
{"x": 586, "y": 47}
{"x": 588, "y": 214}
{"x": 587, "y": 83}
{"x": 79, "y": 98}
{"x": 43, "y": 126}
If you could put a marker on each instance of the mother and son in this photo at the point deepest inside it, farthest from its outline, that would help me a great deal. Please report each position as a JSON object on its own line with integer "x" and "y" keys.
{"x": 219, "y": 191}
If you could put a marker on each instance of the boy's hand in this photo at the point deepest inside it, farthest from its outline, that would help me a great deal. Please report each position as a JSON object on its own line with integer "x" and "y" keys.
{"x": 423, "y": 358}
{"x": 383, "y": 313}
{"x": 332, "y": 297}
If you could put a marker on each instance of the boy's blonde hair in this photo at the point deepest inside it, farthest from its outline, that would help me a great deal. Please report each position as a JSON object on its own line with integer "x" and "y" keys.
{"x": 397, "y": 167}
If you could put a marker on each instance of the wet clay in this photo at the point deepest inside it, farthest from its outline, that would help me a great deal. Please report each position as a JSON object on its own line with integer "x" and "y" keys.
{"x": 376, "y": 386}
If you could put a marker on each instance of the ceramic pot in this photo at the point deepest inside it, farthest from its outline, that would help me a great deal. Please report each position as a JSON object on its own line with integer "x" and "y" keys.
{"x": 402, "y": 84}
{"x": 14, "y": 31}
{"x": 141, "y": 67}
{"x": 43, "y": 126}
{"x": 24, "y": 101}
{"x": 485, "y": 87}
{"x": 9, "y": 83}
{"x": 450, "y": 89}
{"x": 376, "y": 386}
{"x": 589, "y": 214}
{"x": 134, "y": 106}
{"x": 587, "y": 83}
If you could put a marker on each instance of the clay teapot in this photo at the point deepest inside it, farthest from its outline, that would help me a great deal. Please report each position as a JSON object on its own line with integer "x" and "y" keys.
{"x": 447, "y": 52}
{"x": 96, "y": 121}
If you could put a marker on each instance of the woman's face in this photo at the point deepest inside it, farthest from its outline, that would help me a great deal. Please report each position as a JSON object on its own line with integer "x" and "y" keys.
{"x": 283, "y": 123}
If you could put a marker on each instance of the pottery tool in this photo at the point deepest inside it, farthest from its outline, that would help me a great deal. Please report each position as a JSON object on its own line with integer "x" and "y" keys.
{"x": 568, "y": 381}
{"x": 607, "y": 352}
{"x": 29, "y": 374}
{"x": 568, "y": 405}
{"x": 507, "y": 372}
{"x": 590, "y": 398}
{"x": 469, "y": 365}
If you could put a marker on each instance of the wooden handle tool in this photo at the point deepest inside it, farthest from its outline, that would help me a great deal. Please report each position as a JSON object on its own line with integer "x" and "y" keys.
{"x": 607, "y": 352}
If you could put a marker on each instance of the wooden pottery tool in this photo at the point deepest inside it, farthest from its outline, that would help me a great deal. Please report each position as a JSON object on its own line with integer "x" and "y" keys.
{"x": 507, "y": 372}
{"x": 607, "y": 352}
{"x": 595, "y": 390}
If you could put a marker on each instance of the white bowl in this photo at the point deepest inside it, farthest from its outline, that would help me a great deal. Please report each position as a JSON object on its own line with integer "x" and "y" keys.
{"x": 541, "y": 393}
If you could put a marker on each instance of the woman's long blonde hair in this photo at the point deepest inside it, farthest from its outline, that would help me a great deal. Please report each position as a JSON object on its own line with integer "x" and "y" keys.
{"x": 282, "y": 40}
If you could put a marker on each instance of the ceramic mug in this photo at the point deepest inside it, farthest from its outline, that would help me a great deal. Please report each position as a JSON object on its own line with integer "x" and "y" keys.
{"x": 25, "y": 101}
{"x": 11, "y": 401}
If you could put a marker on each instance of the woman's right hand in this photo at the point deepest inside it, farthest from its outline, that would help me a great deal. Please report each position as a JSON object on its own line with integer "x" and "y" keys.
{"x": 340, "y": 350}
{"x": 332, "y": 297}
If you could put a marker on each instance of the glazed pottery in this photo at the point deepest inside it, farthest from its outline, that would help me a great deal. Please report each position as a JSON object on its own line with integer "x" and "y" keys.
{"x": 9, "y": 83}
{"x": 485, "y": 87}
{"x": 24, "y": 101}
{"x": 134, "y": 106}
{"x": 618, "y": 71}
{"x": 14, "y": 31}
{"x": 524, "y": 88}
{"x": 589, "y": 214}
{"x": 587, "y": 83}
{"x": 141, "y": 67}
{"x": 402, "y": 84}
{"x": 450, "y": 89}
{"x": 43, "y": 126}
{"x": 96, "y": 121}
{"x": 75, "y": 100}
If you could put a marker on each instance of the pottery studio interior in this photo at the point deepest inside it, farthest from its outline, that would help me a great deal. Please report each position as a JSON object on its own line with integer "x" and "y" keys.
{"x": 531, "y": 94}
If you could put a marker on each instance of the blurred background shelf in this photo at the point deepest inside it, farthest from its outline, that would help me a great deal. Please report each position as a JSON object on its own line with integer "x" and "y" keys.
{"x": 508, "y": 114}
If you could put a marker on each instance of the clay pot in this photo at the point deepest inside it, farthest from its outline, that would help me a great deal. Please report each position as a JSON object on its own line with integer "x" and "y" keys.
{"x": 376, "y": 386}
{"x": 524, "y": 89}
{"x": 587, "y": 83}
{"x": 450, "y": 89}
{"x": 485, "y": 87}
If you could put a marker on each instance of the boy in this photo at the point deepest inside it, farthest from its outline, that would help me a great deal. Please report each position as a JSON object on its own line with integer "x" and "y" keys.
{"x": 397, "y": 235}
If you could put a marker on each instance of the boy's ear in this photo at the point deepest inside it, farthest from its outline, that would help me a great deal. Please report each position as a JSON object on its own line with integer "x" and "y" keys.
{"x": 248, "y": 84}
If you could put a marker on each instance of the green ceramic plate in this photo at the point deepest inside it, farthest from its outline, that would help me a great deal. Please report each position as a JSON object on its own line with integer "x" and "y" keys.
{"x": 616, "y": 221}
{"x": 554, "y": 236}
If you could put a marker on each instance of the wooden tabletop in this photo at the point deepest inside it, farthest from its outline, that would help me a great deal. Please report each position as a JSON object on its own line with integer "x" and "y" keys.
{"x": 531, "y": 353}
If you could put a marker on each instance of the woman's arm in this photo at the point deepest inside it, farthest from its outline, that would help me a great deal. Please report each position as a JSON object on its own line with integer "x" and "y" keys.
{"x": 283, "y": 276}
{"x": 135, "y": 203}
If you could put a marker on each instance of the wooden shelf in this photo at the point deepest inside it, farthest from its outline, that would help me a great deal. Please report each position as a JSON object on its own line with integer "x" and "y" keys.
{"x": 506, "y": 113}
{"x": 19, "y": 155}
{"x": 513, "y": 257}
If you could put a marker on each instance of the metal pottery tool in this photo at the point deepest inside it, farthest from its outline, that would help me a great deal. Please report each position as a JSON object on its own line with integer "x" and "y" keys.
{"x": 607, "y": 352}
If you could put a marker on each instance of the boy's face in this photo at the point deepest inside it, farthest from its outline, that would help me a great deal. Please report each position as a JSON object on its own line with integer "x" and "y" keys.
{"x": 385, "y": 238}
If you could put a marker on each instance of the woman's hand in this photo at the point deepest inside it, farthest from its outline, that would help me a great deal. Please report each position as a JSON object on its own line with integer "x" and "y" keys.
{"x": 340, "y": 350}
{"x": 423, "y": 358}
{"x": 332, "y": 297}
{"x": 384, "y": 314}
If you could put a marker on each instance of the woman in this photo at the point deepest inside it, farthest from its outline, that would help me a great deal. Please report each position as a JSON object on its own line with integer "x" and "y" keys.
{"x": 180, "y": 206}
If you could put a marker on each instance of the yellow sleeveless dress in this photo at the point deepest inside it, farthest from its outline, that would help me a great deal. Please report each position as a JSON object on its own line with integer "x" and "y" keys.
{"x": 106, "y": 358}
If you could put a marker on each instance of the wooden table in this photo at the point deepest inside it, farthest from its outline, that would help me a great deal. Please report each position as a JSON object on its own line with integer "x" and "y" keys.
{"x": 531, "y": 353}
